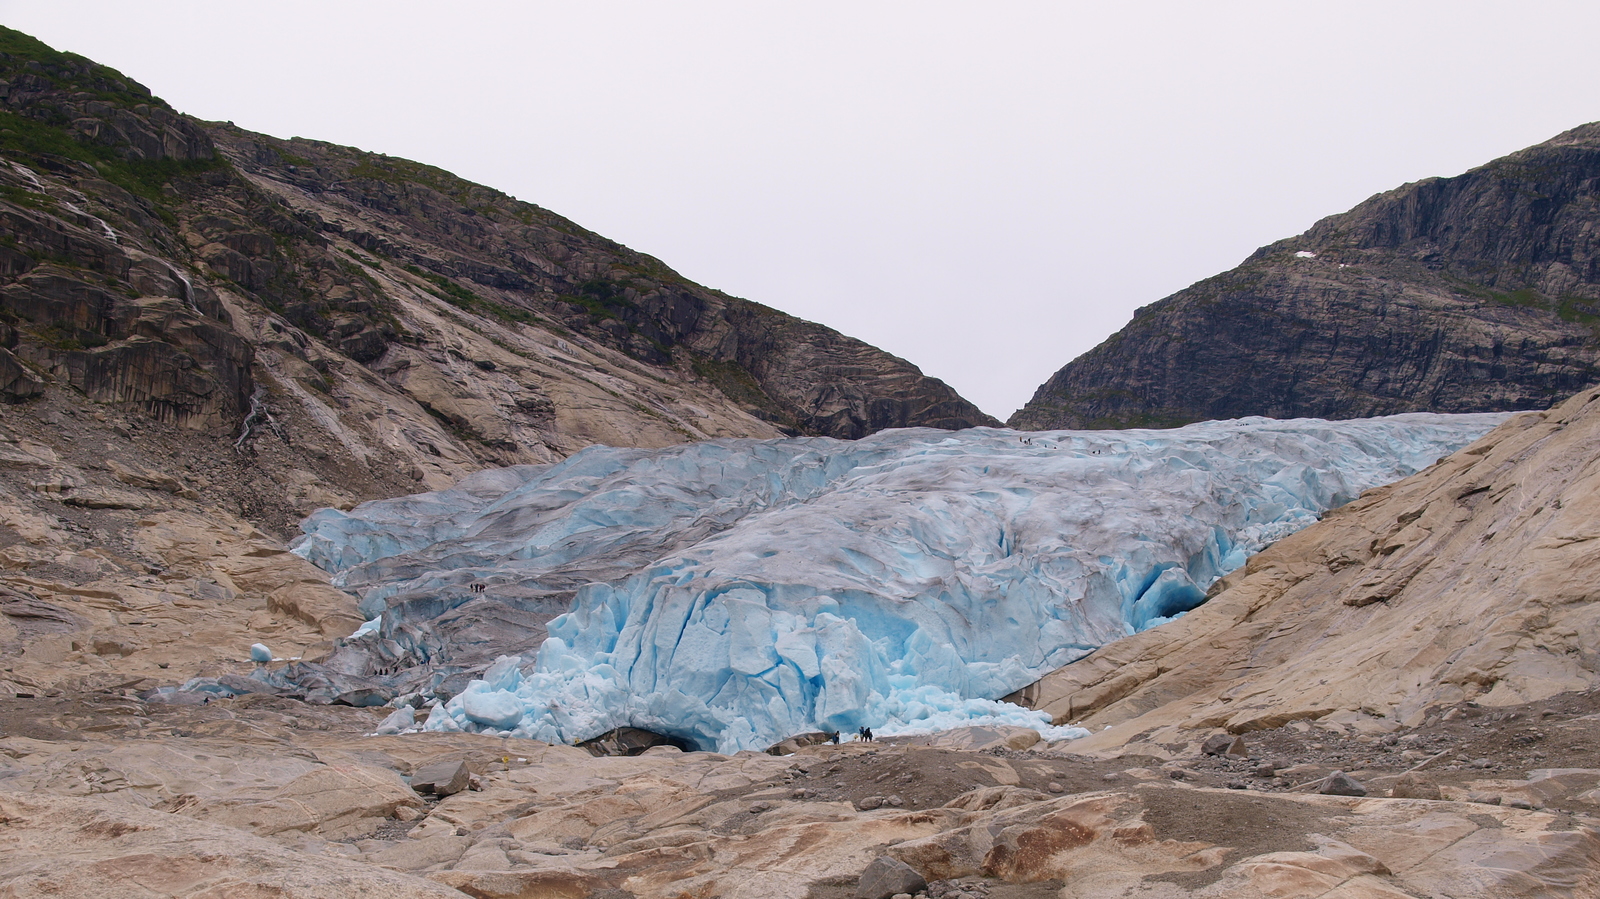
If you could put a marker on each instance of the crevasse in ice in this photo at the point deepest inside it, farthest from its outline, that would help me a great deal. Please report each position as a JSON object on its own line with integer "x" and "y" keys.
{"x": 733, "y": 592}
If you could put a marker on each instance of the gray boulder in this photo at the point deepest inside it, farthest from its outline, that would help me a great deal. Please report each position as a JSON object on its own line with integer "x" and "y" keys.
{"x": 886, "y": 877}
{"x": 1340, "y": 784}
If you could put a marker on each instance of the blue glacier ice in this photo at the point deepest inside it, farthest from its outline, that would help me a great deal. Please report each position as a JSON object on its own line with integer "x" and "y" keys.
{"x": 733, "y": 592}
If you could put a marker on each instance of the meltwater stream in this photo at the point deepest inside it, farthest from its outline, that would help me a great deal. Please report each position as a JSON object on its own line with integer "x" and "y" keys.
{"x": 733, "y": 592}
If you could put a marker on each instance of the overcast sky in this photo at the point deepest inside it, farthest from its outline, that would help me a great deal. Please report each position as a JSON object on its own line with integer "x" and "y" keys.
{"x": 986, "y": 189}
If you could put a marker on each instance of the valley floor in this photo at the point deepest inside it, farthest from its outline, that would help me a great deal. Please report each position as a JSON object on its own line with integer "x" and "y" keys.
{"x": 104, "y": 794}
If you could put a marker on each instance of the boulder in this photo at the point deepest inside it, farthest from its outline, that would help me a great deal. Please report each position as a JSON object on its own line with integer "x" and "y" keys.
{"x": 397, "y": 721}
{"x": 444, "y": 778}
{"x": 1225, "y": 745}
{"x": 886, "y": 877}
{"x": 1340, "y": 784}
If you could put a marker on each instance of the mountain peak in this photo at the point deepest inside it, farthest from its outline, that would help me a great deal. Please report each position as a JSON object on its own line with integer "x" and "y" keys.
{"x": 1475, "y": 293}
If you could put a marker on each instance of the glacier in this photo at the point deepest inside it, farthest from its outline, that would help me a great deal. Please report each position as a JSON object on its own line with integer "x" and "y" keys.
{"x": 733, "y": 592}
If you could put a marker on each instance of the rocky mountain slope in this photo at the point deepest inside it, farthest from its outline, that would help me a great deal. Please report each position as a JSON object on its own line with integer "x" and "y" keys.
{"x": 381, "y": 319}
{"x": 1468, "y": 294}
{"x": 1470, "y": 582}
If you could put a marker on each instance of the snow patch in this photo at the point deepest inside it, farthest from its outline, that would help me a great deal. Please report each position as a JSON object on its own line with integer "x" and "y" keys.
{"x": 370, "y": 626}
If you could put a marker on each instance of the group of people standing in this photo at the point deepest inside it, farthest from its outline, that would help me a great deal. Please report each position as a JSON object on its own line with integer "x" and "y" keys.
{"x": 863, "y": 735}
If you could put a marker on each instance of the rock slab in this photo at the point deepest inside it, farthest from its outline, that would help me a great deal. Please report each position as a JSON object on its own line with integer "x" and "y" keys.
{"x": 886, "y": 877}
{"x": 442, "y": 778}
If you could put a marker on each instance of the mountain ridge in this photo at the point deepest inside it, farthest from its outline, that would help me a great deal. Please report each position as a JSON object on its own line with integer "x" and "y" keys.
{"x": 209, "y": 277}
{"x": 1475, "y": 293}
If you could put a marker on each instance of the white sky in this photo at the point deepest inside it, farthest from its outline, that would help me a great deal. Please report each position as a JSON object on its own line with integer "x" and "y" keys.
{"x": 985, "y": 189}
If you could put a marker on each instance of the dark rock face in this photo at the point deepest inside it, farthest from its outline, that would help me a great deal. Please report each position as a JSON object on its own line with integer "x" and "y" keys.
{"x": 1468, "y": 294}
{"x": 17, "y": 382}
{"x": 114, "y": 116}
{"x": 86, "y": 304}
{"x": 130, "y": 232}
{"x": 485, "y": 252}
{"x": 156, "y": 353}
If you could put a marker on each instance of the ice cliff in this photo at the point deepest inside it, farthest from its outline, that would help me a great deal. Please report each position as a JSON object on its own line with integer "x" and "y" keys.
{"x": 733, "y": 592}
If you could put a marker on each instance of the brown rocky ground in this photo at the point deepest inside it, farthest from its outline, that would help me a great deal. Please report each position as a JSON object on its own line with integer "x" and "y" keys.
{"x": 264, "y": 796}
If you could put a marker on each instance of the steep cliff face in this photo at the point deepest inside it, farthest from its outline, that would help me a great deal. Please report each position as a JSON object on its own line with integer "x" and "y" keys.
{"x": 1474, "y": 293}
{"x": 403, "y": 319}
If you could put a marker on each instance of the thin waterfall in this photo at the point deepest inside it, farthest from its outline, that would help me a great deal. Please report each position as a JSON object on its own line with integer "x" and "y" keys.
{"x": 188, "y": 287}
{"x": 32, "y": 178}
{"x": 105, "y": 229}
{"x": 258, "y": 412}
{"x": 29, "y": 176}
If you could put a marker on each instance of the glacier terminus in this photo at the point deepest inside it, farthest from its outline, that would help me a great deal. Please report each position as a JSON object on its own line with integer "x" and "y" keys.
{"x": 731, "y": 593}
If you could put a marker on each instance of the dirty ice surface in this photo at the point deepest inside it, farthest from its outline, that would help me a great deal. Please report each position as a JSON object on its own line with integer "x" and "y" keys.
{"x": 734, "y": 592}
